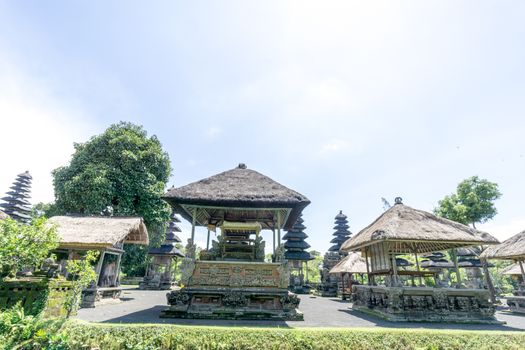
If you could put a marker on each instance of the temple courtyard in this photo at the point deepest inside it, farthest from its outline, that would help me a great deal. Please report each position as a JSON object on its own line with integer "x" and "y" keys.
{"x": 143, "y": 306}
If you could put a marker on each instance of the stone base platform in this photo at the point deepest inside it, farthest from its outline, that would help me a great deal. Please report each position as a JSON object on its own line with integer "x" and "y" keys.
{"x": 421, "y": 304}
{"x": 516, "y": 304}
{"x": 91, "y": 297}
{"x": 233, "y": 290}
{"x": 233, "y": 303}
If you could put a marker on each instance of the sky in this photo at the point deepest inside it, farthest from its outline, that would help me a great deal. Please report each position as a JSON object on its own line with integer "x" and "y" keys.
{"x": 344, "y": 101}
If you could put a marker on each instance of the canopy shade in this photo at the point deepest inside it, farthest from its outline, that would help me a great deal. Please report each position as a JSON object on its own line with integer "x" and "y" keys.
{"x": 412, "y": 230}
{"x": 352, "y": 263}
{"x": 512, "y": 248}
{"x": 239, "y": 194}
{"x": 75, "y": 231}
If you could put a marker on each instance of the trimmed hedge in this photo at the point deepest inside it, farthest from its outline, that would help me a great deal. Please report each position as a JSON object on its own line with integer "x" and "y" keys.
{"x": 82, "y": 335}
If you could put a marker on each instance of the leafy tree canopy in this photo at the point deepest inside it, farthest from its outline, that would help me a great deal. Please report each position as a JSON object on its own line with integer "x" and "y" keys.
{"x": 472, "y": 203}
{"x": 23, "y": 246}
{"x": 122, "y": 168}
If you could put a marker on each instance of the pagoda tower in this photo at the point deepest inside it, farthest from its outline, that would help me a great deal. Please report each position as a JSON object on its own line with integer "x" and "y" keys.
{"x": 159, "y": 273}
{"x": 295, "y": 246}
{"x": 341, "y": 232}
{"x": 295, "y": 252}
{"x": 330, "y": 283}
{"x": 16, "y": 202}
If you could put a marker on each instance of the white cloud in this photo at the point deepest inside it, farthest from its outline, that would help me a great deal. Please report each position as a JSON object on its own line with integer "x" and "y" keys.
{"x": 37, "y": 130}
{"x": 503, "y": 231}
{"x": 212, "y": 132}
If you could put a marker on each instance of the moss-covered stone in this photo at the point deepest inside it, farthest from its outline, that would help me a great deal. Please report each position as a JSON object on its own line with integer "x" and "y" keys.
{"x": 36, "y": 294}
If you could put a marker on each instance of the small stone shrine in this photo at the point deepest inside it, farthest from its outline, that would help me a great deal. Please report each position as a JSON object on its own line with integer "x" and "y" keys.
{"x": 296, "y": 254}
{"x": 512, "y": 249}
{"x": 78, "y": 234}
{"x": 159, "y": 274}
{"x": 231, "y": 280}
{"x": 17, "y": 203}
{"x": 408, "y": 231}
{"x": 331, "y": 283}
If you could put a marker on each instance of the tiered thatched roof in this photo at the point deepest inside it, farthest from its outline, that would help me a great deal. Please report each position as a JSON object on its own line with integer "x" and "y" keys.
{"x": 512, "y": 248}
{"x": 352, "y": 263}
{"x": 414, "y": 229}
{"x": 235, "y": 189}
{"x": 100, "y": 232}
{"x": 513, "y": 269}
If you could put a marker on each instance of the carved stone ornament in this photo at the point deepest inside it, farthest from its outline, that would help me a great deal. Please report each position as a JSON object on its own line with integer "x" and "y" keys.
{"x": 186, "y": 268}
{"x": 234, "y": 299}
{"x": 178, "y": 298}
{"x": 290, "y": 301}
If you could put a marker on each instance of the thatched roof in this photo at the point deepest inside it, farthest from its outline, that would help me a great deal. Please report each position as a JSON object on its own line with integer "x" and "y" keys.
{"x": 352, "y": 263}
{"x": 512, "y": 248}
{"x": 416, "y": 229}
{"x": 235, "y": 189}
{"x": 3, "y": 215}
{"x": 513, "y": 269}
{"x": 75, "y": 231}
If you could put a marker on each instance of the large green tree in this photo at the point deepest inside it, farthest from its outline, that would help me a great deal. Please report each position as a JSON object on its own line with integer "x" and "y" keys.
{"x": 472, "y": 203}
{"x": 122, "y": 168}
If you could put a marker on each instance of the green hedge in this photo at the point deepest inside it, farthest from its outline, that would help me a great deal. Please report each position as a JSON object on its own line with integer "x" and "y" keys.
{"x": 107, "y": 336}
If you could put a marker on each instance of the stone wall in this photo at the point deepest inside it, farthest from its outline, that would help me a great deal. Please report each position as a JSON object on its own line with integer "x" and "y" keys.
{"x": 36, "y": 295}
{"x": 425, "y": 304}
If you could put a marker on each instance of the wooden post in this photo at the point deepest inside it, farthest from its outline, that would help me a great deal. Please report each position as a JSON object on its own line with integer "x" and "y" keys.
{"x": 417, "y": 267}
{"x": 273, "y": 230}
{"x": 367, "y": 267}
{"x": 458, "y": 274}
{"x": 117, "y": 272}
{"x": 98, "y": 269}
{"x": 208, "y": 240}
{"x": 193, "y": 226}
{"x": 279, "y": 228}
{"x": 488, "y": 280}
{"x": 394, "y": 270}
{"x": 522, "y": 272}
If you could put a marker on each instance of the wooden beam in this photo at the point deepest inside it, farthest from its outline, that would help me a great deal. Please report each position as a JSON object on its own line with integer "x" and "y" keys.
{"x": 278, "y": 228}
{"x": 522, "y": 271}
{"x": 208, "y": 241}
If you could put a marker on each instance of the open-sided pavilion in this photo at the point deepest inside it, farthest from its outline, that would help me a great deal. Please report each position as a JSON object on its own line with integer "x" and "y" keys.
{"x": 512, "y": 249}
{"x": 402, "y": 230}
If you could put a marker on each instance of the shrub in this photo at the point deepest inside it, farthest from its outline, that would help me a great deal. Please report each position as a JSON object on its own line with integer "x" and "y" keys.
{"x": 23, "y": 246}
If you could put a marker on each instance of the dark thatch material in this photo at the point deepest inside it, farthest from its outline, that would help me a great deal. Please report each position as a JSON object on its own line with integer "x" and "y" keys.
{"x": 166, "y": 249}
{"x": 238, "y": 188}
{"x": 408, "y": 226}
{"x": 512, "y": 248}
{"x": 88, "y": 231}
{"x": 352, "y": 263}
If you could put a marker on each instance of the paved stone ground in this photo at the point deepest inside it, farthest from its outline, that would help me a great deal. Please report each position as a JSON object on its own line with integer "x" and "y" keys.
{"x": 140, "y": 306}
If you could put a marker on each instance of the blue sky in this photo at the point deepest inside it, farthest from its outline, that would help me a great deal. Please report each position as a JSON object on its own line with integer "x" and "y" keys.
{"x": 344, "y": 101}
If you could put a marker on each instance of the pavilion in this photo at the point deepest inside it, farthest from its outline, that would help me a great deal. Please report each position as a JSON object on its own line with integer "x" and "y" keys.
{"x": 512, "y": 249}
{"x": 404, "y": 230}
{"x": 78, "y": 234}
{"x": 231, "y": 279}
{"x": 352, "y": 264}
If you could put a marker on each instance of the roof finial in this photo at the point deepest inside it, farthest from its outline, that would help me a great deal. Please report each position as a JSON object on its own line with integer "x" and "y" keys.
{"x": 398, "y": 200}
{"x": 241, "y": 166}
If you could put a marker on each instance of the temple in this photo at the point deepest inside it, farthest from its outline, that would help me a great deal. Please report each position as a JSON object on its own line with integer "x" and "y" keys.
{"x": 296, "y": 254}
{"x": 332, "y": 283}
{"x": 402, "y": 294}
{"x": 231, "y": 280}
{"x": 159, "y": 273}
{"x": 107, "y": 235}
{"x": 512, "y": 249}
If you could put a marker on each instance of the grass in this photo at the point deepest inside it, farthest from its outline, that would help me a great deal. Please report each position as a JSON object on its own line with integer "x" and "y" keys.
{"x": 82, "y": 335}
